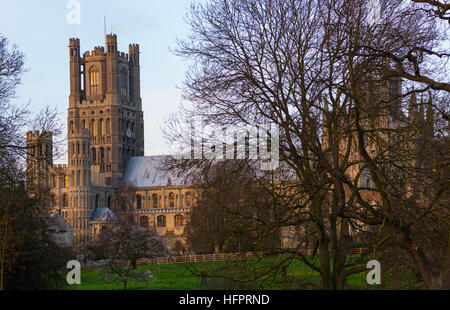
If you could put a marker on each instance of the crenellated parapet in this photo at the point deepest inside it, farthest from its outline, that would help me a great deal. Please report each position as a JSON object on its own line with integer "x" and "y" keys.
{"x": 123, "y": 56}
{"x": 74, "y": 42}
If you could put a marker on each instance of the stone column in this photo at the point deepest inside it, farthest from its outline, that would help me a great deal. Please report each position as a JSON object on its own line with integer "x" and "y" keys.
{"x": 146, "y": 199}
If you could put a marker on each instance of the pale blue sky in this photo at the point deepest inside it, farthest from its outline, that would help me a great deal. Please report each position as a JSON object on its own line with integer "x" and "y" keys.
{"x": 41, "y": 32}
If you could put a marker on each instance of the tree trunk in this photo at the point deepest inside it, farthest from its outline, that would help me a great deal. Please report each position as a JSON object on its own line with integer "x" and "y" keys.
{"x": 125, "y": 281}
{"x": 324, "y": 257}
{"x": 339, "y": 272}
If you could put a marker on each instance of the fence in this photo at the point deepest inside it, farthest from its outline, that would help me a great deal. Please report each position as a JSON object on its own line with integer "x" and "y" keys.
{"x": 190, "y": 258}
{"x": 194, "y": 258}
{"x": 359, "y": 251}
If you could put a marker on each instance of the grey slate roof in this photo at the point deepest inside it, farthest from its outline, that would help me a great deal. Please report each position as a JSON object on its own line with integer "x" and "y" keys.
{"x": 148, "y": 171}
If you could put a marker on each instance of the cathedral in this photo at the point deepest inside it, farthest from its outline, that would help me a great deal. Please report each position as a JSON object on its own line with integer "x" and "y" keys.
{"x": 106, "y": 149}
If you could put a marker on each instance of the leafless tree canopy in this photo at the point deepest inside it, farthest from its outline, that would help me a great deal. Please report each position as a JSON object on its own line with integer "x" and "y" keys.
{"x": 343, "y": 93}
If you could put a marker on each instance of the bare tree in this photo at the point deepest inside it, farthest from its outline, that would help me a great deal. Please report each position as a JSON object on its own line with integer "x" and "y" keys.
{"x": 24, "y": 239}
{"x": 311, "y": 69}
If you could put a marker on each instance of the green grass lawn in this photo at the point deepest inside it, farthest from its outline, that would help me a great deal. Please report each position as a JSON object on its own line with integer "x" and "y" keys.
{"x": 178, "y": 277}
{"x": 167, "y": 277}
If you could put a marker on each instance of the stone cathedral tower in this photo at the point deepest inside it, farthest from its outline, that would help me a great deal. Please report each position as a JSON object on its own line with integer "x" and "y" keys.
{"x": 105, "y": 100}
{"x": 105, "y": 128}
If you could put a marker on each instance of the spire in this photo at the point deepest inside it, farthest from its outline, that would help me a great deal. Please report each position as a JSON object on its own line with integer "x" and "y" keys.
{"x": 412, "y": 108}
{"x": 421, "y": 109}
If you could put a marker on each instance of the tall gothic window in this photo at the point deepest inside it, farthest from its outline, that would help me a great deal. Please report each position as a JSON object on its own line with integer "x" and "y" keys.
{"x": 93, "y": 156}
{"x": 102, "y": 155}
{"x": 107, "y": 126}
{"x": 124, "y": 82}
{"x": 94, "y": 81}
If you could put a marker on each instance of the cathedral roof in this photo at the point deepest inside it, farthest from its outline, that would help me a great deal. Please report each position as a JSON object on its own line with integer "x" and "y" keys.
{"x": 148, "y": 171}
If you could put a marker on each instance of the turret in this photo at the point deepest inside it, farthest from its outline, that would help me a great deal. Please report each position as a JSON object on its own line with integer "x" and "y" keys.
{"x": 412, "y": 107}
{"x": 80, "y": 182}
{"x": 75, "y": 71}
{"x": 111, "y": 64}
{"x": 39, "y": 158}
{"x": 134, "y": 72}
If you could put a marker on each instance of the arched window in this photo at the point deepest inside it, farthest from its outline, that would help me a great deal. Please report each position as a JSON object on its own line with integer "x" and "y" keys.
{"x": 138, "y": 202}
{"x": 155, "y": 201}
{"x": 143, "y": 221}
{"x": 94, "y": 81}
{"x": 179, "y": 220}
{"x": 97, "y": 198}
{"x": 66, "y": 181}
{"x": 171, "y": 200}
{"x": 161, "y": 221}
{"x": 188, "y": 199}
{"x": 109, "y": 202}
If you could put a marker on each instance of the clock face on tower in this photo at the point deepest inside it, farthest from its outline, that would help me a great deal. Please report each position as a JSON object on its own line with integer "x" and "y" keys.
{"x": 129, "y": 133}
